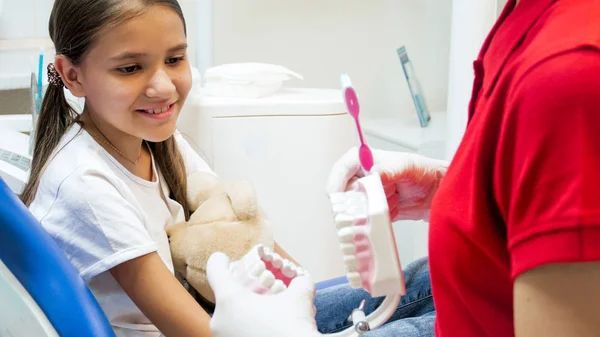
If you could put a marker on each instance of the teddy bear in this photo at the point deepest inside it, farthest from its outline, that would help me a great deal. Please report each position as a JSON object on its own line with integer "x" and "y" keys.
{"x": 225, "y": 217}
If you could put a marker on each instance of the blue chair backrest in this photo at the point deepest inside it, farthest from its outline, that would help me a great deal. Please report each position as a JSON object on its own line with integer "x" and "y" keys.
{"x": 35, "y": 260}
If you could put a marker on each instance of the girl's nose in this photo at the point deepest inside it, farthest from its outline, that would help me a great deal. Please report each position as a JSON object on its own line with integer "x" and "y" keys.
{"x": 160, "y": 86}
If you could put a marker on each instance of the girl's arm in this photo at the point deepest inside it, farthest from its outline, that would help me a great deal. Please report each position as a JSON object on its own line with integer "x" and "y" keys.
{"x": 158, "y": 294}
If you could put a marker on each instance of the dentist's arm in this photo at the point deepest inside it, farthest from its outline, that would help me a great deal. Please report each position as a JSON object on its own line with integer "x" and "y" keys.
{"x": 559, "y": 300}
{"x": 547, "y": 188}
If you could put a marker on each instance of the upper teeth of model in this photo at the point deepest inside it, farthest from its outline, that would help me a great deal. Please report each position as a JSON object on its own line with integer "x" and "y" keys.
{"x": 349, "y": 211}
{"x": 158, "y": 111}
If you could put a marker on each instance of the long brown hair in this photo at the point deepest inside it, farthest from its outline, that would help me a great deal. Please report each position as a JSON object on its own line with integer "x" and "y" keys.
{"x": 73, "y": 26}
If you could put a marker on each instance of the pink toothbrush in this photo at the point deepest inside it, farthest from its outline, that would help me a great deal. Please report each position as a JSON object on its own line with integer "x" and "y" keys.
{"x": 364, "y": 153}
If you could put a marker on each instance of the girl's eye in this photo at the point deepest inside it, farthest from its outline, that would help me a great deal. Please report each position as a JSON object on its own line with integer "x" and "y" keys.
{"x": 174, "y": 60}
{"x": 128, "y": 69}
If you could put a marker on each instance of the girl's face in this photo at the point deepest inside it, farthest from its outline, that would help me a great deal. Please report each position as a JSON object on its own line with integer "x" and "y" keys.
{"x": 136, "y": 76}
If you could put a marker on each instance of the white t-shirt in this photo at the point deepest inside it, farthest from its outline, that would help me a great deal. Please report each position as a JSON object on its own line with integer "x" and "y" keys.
{"x": 101, "y": 215}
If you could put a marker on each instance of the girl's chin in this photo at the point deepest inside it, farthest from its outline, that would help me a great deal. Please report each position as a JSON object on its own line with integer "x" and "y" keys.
{"x": 160, "y": 134}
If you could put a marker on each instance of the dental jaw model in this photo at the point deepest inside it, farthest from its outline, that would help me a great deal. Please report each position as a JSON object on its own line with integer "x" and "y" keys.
{"x": 369, "y": 250}
{"x": 264, "y": 271}
{"x": 366, "y": 240}
{"x": 366, "y": 236}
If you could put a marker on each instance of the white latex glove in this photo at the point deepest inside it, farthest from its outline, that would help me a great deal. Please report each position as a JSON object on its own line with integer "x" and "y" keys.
{"x": 410, "y": 180}
{"x": 240, "y": 312}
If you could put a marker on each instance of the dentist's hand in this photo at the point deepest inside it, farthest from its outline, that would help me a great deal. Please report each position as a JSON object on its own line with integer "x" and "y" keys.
{"x": 241, "y": 312}
{"x": 410, "y": 180}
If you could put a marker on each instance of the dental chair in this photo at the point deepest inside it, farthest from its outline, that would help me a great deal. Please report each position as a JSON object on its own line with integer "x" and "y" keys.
{"x": 41, "y": 293}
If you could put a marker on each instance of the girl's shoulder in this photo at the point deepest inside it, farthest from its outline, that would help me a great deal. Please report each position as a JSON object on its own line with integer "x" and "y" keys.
{"x": 76, "y": 158}
{"x": 192, "y": 159}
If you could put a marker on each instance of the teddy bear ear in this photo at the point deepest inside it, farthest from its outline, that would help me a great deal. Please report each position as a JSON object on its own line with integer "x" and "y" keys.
{"x": 201, "y": 186}
{"x": 243, "y": 199}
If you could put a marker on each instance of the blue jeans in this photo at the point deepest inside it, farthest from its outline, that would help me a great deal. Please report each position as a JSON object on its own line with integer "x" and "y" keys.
{"x": 415, "y": 315}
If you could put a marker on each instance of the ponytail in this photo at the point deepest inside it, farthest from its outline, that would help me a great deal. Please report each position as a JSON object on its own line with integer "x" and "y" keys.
{"x": 56, "y": 116}
{"x": 171, "y": 165}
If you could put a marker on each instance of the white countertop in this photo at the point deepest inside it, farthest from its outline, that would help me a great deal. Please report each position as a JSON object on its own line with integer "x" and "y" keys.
{"x": 406, "y": 131}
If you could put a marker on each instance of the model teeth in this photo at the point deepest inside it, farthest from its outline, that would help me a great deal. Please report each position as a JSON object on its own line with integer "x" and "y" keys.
{"x": 264, "y": 271}
{"x": 258, "y": 268}
{"x": 277, "y": 261}
{"x": 350, "y": 262}
{"x": 301, "y": 272}
{"x": 346, "y": 234}
{"x": 350, "y": 213}
{"x": 267, "y": 279}
{"x": 289, "y": 269}
{"x": 261, "y": 250}
{"x": 347, "y": 248}
{"x": 344, "y": 220}
{"x": 354, "y": 279}
{"x": 278, "y": 286}
{"x": 285, "y": 267}
{"x": 265, "y": 254}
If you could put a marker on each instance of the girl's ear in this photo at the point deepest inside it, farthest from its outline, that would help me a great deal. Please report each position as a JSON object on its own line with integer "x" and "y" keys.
{"x": 70, "y": 75}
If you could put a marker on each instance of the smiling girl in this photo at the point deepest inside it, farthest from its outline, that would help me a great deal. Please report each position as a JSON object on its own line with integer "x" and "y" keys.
{"x": 105, "y": 183}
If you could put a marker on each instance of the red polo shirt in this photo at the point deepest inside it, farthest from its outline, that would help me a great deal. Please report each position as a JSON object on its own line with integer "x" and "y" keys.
{"x": 523, "y": 189}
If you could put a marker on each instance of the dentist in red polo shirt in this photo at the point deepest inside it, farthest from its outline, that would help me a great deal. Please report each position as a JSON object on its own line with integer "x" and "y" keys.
{"x": 514, "y": 246}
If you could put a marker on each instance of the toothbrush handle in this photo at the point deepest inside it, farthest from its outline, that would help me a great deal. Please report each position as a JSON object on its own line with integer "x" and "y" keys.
{"x": 360, "y": 133}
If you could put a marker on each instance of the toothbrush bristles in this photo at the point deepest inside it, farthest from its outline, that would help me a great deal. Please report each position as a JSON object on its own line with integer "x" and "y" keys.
{"x": 345, "y": 80}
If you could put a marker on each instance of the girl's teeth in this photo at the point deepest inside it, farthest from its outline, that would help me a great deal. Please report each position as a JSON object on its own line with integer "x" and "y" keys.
{"x": 158, "y": 111}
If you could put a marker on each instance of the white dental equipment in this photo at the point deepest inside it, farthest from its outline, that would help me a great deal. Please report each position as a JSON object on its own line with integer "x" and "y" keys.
{"x": 16, "y": 148}
{"x": 14, "y": 159}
